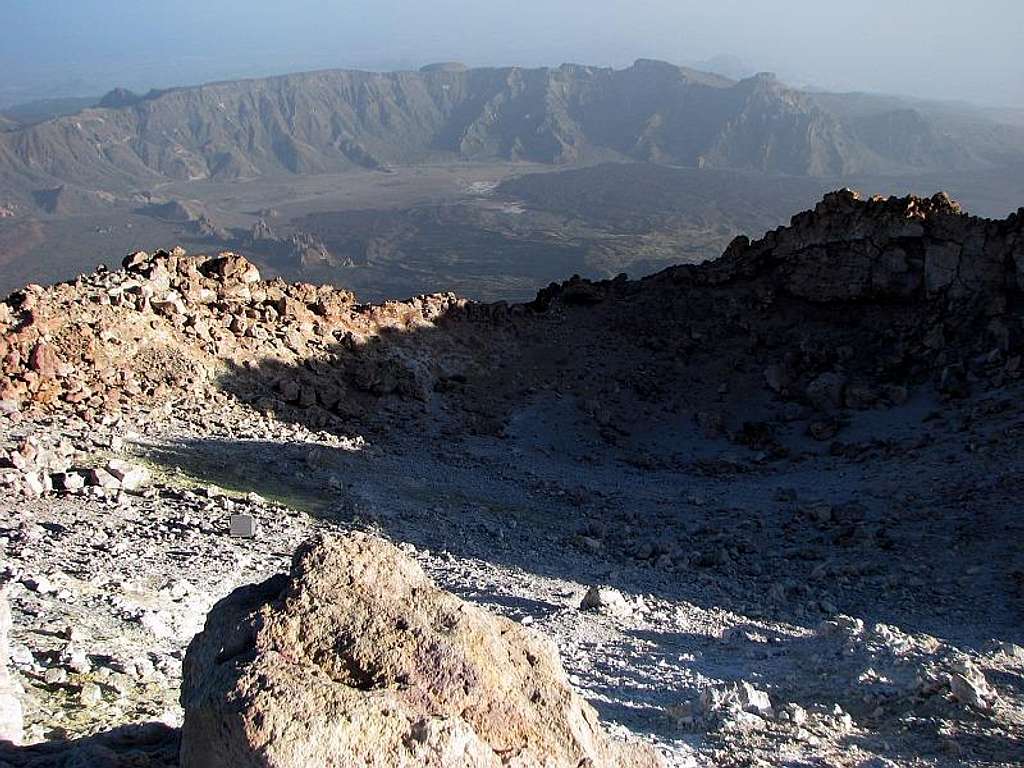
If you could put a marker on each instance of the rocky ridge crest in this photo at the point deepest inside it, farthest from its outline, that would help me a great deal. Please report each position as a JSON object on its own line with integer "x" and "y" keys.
{"x": 896, "y": 291}
{"x": 167, "y": 325}
{"x": 332, "y": 121}
{"x": 915, "y": 286}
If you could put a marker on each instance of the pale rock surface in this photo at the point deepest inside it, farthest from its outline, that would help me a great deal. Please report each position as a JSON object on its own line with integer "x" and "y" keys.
{"x": 606, "y": 600}
{"x": 726, "y": 703}
{"x": 968, "y": 685}
{"x": 11, "y": 717}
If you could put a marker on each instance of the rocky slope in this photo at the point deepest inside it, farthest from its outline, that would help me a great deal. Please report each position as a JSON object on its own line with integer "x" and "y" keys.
{"x": 334, "y": 120}
{"x": 942, "y": 288}
{"x": 11, "y": 716}
{"x": 767, "y": 506}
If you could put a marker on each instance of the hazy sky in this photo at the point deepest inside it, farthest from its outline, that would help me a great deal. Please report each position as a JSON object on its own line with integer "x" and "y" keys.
{"x": 938, "y": 49}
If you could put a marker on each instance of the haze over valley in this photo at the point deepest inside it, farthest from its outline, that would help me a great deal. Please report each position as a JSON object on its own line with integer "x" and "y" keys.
{"x": 491, "y": 181}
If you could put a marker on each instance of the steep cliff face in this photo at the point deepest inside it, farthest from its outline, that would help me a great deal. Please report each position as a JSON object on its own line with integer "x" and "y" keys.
{"x": 334, "y": 120}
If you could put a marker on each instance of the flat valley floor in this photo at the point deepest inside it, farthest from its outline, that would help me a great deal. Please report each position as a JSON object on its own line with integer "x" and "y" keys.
{"x": 488, "y": 231}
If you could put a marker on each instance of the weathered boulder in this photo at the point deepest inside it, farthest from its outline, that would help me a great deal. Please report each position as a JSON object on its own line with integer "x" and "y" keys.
{"x": 231, "y": 267}
{"x": 11, "y": 718}
{"x": 826, "y": 391}
{"x": 44, "y": 361}
{"x": 357, "y": 658}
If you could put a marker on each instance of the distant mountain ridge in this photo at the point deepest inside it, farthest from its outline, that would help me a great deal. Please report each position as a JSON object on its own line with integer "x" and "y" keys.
{"x": 334, "y": 120}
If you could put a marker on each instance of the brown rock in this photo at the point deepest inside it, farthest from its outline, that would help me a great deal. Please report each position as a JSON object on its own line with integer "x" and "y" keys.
{"x": 44, "y": 360}
{"x": 11, "y": 361}
{"x": 356, "y": 658}
{"x": 231, "y": 267}
{"x": 135, "y": 261}
{"x": 294, "y": 309}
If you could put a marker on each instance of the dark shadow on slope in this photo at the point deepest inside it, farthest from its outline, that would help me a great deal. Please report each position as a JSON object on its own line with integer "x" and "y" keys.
{"x": 589, "y": 442}
{"x": 510, "y": 434}
{"x": 148, "y": 745}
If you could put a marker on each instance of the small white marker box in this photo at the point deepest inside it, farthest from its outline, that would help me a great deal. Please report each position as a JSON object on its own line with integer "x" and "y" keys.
{"x": 243, "y": 526}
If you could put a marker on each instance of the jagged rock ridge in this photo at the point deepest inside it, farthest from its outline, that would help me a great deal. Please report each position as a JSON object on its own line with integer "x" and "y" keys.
{"x": 918, "y": 288}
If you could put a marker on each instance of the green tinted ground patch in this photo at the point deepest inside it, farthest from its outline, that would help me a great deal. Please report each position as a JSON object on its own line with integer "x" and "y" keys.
{"x": 190, "y": 470}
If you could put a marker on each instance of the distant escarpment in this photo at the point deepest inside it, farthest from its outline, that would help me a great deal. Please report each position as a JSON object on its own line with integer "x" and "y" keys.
{"x": 335, "y": 120}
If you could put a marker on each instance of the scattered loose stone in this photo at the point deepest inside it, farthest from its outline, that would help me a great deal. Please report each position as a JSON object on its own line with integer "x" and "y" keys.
{"x": 606, "y": 600}
{"x": 11, "y": 715}
{"x": 694, "y": 432}
{"x": 131, "y": 477}
{"x": 242, "y": 526}
{"x": 737, "y": 703}
{"x": 968, "y": 685}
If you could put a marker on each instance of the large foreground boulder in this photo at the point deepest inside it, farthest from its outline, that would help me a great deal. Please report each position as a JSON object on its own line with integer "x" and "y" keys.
{"x": 357, "y": 659}
{"x": 11, "y": 722}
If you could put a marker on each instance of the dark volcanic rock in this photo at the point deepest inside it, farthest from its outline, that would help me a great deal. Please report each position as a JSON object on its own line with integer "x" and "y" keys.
{"x": 848, "y": 249}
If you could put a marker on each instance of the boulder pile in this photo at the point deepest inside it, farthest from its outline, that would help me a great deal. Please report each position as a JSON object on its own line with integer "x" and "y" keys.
{"x": 170, "y": 326}
{"x": 911, "y": 248}
{"x": 33, "y": 469}
{"x": 356, "y": 658}
{"x": 852, "y": 306}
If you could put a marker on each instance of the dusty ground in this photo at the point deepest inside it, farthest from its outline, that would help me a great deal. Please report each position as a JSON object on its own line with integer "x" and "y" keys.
{"x": 735, "y": 561}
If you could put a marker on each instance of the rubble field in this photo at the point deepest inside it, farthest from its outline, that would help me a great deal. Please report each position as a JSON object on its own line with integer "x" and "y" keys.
{"x": 767, "y": 509}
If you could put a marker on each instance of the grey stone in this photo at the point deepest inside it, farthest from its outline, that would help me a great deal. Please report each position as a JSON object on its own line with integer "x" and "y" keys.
{"x": 132, "y": 477}
{"x": 11, "y": 714}
{"x": 242, "y": 526}
{"x": 101, "y": 478}
{"x": 68, "y": 481}
{"x": 606, "y": 600}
